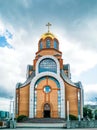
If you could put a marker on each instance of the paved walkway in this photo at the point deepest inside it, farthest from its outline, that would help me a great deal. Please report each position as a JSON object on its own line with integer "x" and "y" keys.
{"x": 49, "y": 129}
{"x": 44, "y": 126}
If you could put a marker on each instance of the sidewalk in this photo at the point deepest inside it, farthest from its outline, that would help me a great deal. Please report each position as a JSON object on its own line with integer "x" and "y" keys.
{"x": 49, "y": 129}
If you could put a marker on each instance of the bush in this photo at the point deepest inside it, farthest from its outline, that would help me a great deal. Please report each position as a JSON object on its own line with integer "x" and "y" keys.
{"x": 21, "y": 118}
{"x": 72, "y": 117}
{"x": 87, "y": 113}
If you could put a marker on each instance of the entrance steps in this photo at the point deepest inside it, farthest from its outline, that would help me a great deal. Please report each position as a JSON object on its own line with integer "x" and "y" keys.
{"x": 44, "y": 120}
{"x": 42, "y": 123}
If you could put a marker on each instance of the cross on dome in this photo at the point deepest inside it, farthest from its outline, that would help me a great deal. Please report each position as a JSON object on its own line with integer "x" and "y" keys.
{"x": 49, "y": 24}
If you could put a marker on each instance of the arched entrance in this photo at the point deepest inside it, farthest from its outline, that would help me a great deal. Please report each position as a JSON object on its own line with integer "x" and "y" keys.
{"x": 33, "y": 99}
{"x": 46, "y": 111}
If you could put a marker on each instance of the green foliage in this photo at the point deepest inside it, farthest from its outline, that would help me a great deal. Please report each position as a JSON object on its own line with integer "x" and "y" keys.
{"x": 90, "y": 114}
{"x": 72, "y": 117}
{"x": 21, "y": 118}
{"x": 95, "y": 114}
{"x": 87, "y": 113}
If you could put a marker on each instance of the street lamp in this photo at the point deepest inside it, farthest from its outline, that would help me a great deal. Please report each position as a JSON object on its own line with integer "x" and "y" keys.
{"x": 12, "y": 109}
{"x": 67, "y": 110}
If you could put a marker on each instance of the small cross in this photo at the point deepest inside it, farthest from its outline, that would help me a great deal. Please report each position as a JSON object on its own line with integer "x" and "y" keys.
{"x": 48, "y": 26}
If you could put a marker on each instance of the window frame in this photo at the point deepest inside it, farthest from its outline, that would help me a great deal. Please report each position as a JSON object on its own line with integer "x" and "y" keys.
{"x": 48, "y": 43}
{"x": 40, "y": 45}
{"x": 47, "y": 64}
{"x": 55, "y": 44}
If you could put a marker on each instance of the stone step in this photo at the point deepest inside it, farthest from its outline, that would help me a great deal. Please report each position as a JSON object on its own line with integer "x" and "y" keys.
{"x": 41, "y": 125}
{"x": 44, "y": 120}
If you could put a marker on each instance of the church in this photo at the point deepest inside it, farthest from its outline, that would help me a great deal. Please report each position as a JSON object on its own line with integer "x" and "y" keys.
{"x": 48, "y": 91}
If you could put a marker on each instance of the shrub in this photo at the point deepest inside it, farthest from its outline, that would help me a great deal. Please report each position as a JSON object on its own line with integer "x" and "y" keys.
{"x": 72, "y": 117}
{"x": 21, "y": 118}
{"x": 87, "y": 113}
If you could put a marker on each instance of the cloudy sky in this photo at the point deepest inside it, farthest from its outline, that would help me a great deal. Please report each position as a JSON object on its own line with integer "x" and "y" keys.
{"x": 22, "y": 22}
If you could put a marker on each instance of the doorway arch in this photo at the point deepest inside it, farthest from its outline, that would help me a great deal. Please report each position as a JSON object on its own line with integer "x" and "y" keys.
{"x": 62, "y": 92}
{"x": 46, "y": 111}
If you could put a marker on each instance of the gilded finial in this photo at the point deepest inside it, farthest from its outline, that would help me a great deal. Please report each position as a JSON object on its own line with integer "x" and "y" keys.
{"x": 49, "y": 24}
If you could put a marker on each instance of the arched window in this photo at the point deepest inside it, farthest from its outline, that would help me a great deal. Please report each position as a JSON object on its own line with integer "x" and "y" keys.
{"x": 47, "y": 43}
{"x": 48, "y": 65}
{"x": 59, "y": 102}
{"x": 55, "y": 44}
{"x": 41, "y": 45}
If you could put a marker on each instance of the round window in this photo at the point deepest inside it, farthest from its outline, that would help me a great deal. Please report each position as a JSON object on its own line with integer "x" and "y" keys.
{"x": 47, "y": 89}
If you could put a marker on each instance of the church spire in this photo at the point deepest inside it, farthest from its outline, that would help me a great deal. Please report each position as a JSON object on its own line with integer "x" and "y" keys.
{"x": 49, "y": 24}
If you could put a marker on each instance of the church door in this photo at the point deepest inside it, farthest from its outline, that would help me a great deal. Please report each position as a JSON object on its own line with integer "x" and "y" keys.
{"x": 46, "y": 111}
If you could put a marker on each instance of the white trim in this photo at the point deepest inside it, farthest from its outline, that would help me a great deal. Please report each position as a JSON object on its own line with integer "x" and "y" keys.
{"x": 27, "y": 72}
{"x": 62, "y": 89}
{"x": 82, "y": 101}
{"x": 51, "y": 57}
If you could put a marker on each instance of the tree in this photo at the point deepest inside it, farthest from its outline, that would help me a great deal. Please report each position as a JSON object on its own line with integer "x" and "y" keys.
{"x": 87, "y": 113}
{"x": 95, "y": 112}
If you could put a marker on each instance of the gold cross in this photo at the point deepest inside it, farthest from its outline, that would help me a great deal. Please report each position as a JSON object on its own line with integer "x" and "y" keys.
{"x": 49, "y": 24}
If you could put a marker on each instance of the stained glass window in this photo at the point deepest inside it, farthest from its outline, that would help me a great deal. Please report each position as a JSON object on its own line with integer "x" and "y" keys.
{"x": 47, "y": 89}
{"x": 47, "y": 43}
{"x": 35, "y": 101}
{"x": 59, "y": 102}
{"x": 48, "y": 65}
{"x": 41, "y": 45}
{"x": 55, "y": 44}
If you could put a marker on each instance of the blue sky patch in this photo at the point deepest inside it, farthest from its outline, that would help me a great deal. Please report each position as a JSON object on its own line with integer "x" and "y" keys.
{"x": 3, "y": 42}
{"x": 9, "y": 34}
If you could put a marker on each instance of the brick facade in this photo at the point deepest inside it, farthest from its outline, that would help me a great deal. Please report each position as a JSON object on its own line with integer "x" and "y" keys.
{"x": 23, "y": 91}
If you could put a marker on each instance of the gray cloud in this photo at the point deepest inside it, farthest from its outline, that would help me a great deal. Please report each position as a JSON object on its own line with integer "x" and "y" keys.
{"x": 5, "y": 93}
{"x": 83, "y": 32}
{"x": 26, "y": 13}
{"x": 91, "y": 97}
{"x": 74, "y": 20}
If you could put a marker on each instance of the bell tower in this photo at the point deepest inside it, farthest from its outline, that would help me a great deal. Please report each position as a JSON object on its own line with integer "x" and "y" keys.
{"x": 49, "y": 45}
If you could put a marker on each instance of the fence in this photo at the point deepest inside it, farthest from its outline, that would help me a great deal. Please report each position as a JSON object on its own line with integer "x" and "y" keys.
{"x": 81, "y": 124}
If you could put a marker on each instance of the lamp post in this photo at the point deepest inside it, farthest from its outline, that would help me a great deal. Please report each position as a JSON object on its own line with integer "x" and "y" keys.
{"x": 12, "y": 109}
{"x": 12, "y": 122}
{"x": 67, "y": 110}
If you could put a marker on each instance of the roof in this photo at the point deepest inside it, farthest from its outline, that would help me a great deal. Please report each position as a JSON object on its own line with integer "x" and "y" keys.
{"x": 66, "y": 67}
{"x": 63, "y": 75}
{"x": 68, "y": 80}
{"x": 79, "y": 84}
{"x": 48, "y": 34}
{"x": 65, "y": 78}
{"x": 30, "y": 67}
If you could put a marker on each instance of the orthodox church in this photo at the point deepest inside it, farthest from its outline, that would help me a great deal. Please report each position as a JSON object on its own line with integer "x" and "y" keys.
{"x": 48, "y": 91}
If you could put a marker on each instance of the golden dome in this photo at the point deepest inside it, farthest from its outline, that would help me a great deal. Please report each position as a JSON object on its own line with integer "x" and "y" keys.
{"x": 48, "y": 34}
